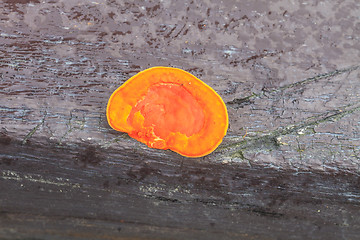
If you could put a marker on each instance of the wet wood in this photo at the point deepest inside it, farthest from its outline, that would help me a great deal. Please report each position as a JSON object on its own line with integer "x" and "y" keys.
{"x": 288, "y": 167}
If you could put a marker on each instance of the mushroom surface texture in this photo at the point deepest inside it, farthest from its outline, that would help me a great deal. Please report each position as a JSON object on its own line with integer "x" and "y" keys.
{"x": 169, "y": 108}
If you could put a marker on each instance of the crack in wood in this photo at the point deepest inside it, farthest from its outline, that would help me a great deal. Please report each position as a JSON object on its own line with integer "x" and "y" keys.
{"x": 239, "y": 102}
{"x": 71, "y": 127}
{"x": 270, "y": 140}
{"x": 32, "y": 132}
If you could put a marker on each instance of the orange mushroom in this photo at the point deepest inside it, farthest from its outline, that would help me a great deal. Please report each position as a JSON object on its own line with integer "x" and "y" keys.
{"x": 168, "y": 108}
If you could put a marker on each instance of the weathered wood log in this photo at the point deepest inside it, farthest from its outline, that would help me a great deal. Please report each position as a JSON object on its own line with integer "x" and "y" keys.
{"x": 287, "y": 169}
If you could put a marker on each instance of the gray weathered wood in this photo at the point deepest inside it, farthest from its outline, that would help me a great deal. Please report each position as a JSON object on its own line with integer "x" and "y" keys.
{"x": 287, "y": 169}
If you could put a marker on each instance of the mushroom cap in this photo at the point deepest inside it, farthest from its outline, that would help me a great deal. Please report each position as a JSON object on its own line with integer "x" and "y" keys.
{"x": 169, "y": 108}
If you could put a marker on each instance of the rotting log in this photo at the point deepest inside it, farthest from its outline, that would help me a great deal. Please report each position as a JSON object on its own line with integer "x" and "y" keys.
{"x": 287, "y": 169}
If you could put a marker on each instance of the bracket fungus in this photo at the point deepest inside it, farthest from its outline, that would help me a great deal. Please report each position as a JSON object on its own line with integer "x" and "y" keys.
{"x": 169, "y": 108}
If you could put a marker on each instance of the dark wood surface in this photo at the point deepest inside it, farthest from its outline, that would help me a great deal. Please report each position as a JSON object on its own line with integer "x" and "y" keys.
{"x": 288, "y": 167}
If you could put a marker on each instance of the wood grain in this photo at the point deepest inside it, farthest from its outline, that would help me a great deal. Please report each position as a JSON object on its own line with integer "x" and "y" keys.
{"x": 287, "y": 169}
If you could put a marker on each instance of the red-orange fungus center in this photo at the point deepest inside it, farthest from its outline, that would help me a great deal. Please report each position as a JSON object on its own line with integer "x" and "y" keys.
{"x": 165, "y": 106}
{"x": 168, "y": 108}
